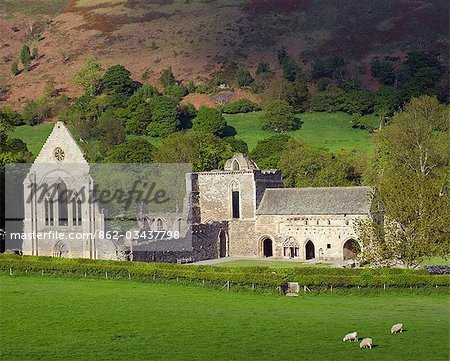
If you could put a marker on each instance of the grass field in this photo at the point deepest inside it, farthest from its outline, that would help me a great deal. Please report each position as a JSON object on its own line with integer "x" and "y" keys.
{"x": 331, "y": 131}
{"x": 66, "y": 319}
{"x": 34, "y": 137}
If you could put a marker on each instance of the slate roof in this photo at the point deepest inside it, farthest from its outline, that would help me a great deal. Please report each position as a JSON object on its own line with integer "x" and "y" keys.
{"x": 311, "y": 201}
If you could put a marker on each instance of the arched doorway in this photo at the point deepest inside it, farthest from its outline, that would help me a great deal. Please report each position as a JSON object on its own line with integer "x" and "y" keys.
{"x": 310, "y": 252}
{"x": 223, "y": 244}
{"x": 321, "y": 257}
{"x": 267, "y": 247}
{"x": 351, "y": 249}
{"x": 291, "y": 248}
{"x": 60, "y": 250}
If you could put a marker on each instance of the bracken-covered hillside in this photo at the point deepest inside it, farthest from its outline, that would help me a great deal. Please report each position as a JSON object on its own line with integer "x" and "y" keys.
{"x": 197, "y": 37}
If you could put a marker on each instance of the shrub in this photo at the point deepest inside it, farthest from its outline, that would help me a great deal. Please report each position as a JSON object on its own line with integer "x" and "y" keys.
{"x": 243, "y": 78}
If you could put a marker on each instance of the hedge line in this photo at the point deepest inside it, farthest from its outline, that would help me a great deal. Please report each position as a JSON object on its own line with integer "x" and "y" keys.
{"x": 246, "y": 276}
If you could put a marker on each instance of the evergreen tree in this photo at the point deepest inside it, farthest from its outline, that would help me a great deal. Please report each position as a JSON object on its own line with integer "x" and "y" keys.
{"x": 25, "y": 57}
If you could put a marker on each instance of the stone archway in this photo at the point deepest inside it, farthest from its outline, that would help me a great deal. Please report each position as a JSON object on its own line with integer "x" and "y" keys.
{"x": 223, "y": 244}
{"x": 351, "y": 249}
{"x": 310, "y": 252}
{"x": 321, "y": 256}
{"x": 60, "y": 250}
{"x": 267, "y": 247}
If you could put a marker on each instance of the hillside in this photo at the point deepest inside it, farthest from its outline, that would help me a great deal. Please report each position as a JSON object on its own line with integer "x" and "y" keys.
{"x": 198, "y": 37}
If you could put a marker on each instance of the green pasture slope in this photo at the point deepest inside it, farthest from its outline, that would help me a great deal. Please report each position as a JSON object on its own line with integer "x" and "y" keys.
{"x": 331, "y": 131}
{"x": 84, "y": 319}
{"x": 34, "y": 137}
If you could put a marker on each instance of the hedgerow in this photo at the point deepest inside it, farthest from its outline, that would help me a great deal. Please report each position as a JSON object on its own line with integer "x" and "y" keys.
{"x": 245, "y": 276}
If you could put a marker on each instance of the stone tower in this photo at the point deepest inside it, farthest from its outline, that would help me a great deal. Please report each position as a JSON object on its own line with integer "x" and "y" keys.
{"x": 233, "y": 195}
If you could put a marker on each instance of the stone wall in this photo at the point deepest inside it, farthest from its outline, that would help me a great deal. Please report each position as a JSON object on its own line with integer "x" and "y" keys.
{"x": 215, "y": 194}
{"x": 205, "y": 243}
{"x": 328, "y": 233}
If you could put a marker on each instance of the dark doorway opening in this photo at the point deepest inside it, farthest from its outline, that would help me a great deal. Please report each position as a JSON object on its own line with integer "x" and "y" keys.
{"x": 235, "y": 204}
{"x": 309, "y": 250}
{"x": 351, "y": 249}
{"x": 222, "y": 244}
{"x": 267, "y": 247}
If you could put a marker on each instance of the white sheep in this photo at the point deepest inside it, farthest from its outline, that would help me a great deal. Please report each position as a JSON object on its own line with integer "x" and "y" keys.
{"x": 398, "y": 327}
{"x": 351, "y": 337}
{"x": 366, "y": 343}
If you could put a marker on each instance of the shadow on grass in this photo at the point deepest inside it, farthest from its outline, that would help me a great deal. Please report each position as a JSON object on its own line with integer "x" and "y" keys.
{"x": 298, "y": 123}
{"x": 229, "y": 131}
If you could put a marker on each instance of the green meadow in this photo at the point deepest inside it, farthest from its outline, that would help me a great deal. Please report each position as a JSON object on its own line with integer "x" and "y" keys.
{"x": 85, "y": 319}
{"x": 331, "y": 131}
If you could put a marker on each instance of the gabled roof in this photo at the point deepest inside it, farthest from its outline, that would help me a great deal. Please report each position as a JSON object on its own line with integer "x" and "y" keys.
{"x": 240, "y": 162}
{"x": 311, "y": 201}
{"x": 61, "y": 138}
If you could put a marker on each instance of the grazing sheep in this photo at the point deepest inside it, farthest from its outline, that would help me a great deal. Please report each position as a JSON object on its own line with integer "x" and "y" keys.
{"x": 366, "y": 343}
{"x": 398, "y": 327}
{"x": 351, "y": 337}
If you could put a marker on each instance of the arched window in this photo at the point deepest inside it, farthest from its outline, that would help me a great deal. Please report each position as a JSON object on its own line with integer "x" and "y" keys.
{"x": 159, "y": 225}
{"x": 48, "y": 210}
{"x": 235, "y": 201}
{"x": 235, "y": 165}
{"x": 76, "y": 212}
{"x": 63, "y": 211}
{"x": 177, "y": 225}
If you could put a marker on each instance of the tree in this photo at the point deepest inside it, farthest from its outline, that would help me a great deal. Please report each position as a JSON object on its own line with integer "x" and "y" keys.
{"x": 204, "y": 150}
{"x": 165, "y": 116}
{"x": 10, "y": 116}
{"x": 420, "y": 74}
{"x": 209, "y": 120}
{"x": 356, "y": 101}
{"x": 117, "y": 81}
{"x": 167, "y": 78}
{"x": 15, "y": 67}
{"x": 296, "y": 94}
{"x": 383, "y": 70}
{"x": 329, "y": 67}
{"x": 25, "y": 57}
{"x": 134, "y": 150}
{"x": 243, "y": 77}
{"x": 305, "y": 166}
{"x": 268, "y": 151}
{"x": 387, "y": 101}
{"x": 112, "y": 129}
{"x": 89, "y": 77}
{"x": 412, "y": 190}
{"x": 175, "y": 91}
{"x": 263, "y": 67}
{"x": 138, "y": 119}
{"x": 236, "y": 145}
{"x": 279, "y": 117}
